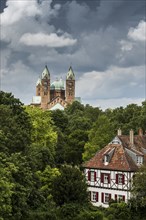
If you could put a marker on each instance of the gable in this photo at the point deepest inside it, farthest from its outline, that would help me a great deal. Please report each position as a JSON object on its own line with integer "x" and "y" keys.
{"x": 57, "y": 103}
{"x": 57, "y": 106}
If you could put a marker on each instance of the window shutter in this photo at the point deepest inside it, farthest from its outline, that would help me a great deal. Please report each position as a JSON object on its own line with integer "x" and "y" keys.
{"x": 89, "y": 175}
{"x": 102, "y": 177}
{"x": 109, "y": 197}
{"x": 115, "y": 196}
{"x": 124, "y": 198}
{"x": 116, "y": 178}
{"x": 94, "y": 176}
{"x": 96, "y": 196}
{"x": 109, "y": 178}
{"x": 89, "y": 194}
{"x": 123, "y": 179}
{"x": 102, "y": 197}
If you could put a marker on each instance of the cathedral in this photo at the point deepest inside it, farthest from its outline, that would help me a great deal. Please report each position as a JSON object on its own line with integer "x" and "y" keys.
{"x": 54, "y": 95}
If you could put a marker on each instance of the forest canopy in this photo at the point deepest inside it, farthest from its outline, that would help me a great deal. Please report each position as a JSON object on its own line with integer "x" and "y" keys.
{"x": 41, "y": 156}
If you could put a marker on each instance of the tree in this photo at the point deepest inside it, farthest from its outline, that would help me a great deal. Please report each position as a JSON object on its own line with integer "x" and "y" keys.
{"x": 125, "y": 118}
{"x": 74, "y": 147}
{"x": 101, "y": 134}
{"x": 6, "y": 187}
{"x": 24, "y": 185}
{"x": 13, "y": 113}
{"x": 43, "y": 132}
{"x": 92, "y": 113}
{"x": 89, "y": 215}
{"x": 75, "y": 108}
{"x": 46, "y": 178}
{"x": 70, "y": 186}
{"x": 143, "y": 116}
{"x": 61, "y": 147}
{"x": 43, "y": 138}
{"x": 60, "y": 119}
{"x": 139, "y": 187}
{"x": 14, "y": 136}
{"x": 118, "y": 211}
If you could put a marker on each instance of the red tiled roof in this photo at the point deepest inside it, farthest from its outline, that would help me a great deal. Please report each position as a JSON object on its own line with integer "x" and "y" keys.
{"x": 120, "y": 160}
{"x": 139, "y": 142}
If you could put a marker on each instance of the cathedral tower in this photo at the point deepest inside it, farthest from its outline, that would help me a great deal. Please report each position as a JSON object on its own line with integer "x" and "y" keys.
{"x": 70, "y": 86}
{"x": 43, "y": 88}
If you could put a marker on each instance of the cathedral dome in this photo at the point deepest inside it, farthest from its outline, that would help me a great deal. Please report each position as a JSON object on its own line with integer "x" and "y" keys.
{"x": 57, "y": 85}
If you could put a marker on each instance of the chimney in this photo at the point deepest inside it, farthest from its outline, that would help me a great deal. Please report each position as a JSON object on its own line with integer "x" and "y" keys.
{"x": 119, "y": 132}
{"x": 131, "y": 137}
{"x": 140, "y": 132}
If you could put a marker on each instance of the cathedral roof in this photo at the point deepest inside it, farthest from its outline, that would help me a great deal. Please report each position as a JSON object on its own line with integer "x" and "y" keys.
{"x": 46, "y": 73}
{"x": 57, "y": 85}
{"x": 70, "y": 74}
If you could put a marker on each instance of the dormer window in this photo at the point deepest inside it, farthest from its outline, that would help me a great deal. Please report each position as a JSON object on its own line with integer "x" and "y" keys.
{"x": 116, "y": 140}
{"x": 139, "y": 160}
{"x": 106, "y": 158}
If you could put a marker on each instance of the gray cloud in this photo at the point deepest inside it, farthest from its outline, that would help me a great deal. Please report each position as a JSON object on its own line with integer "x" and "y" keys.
{"x": 103, "y": 40}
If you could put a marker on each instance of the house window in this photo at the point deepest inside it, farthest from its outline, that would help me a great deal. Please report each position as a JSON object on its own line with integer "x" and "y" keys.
{"x": 120, "y": 179}
{"x": 119, "y": 198}
{"x": 94, "y": 196}
{"x": 105, "y": 178}
{"x": 139, "y": 160}
{"x": 106, "y": 197}
{"x": 91, "y": 175}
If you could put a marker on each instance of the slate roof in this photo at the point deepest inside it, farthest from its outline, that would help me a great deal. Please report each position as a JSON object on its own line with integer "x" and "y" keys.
{"x": 120, "y": 160}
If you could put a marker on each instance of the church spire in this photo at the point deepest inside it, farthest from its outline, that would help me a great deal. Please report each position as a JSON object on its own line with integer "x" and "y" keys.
{"x": 70, "y": 74}
{"x": 70, "y": 86}
{"x": 46, "y": 73}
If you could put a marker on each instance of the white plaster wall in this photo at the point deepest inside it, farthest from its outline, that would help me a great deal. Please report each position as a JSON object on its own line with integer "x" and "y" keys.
{"x": 112, "y": 192}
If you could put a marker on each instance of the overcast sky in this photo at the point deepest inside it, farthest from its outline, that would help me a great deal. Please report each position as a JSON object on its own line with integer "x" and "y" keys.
{"x": 103, "y": 40}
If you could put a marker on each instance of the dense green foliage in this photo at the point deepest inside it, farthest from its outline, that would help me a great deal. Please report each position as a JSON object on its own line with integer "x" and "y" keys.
{"x": 41, "y": 153}
{"x": 15, "y": 125}
{"x": 69, "y": 186}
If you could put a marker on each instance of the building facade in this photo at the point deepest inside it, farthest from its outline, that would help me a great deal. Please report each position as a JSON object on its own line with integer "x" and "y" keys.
{"x": 110, "y": 172}
{"x": 54, "y": 95}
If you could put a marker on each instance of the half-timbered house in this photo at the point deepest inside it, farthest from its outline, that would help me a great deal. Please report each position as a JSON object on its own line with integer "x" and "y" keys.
{"x": 109, "y": 173}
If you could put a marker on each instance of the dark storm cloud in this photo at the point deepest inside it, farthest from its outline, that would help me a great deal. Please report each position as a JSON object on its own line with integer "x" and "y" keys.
{"x": 105, "y": 27}
{"x": 2, "y": 5}
{"x": 77, "y": 17}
